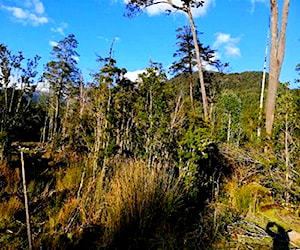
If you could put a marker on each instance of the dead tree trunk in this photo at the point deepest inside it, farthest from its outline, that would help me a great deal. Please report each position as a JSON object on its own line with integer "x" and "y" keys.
{"x": 199, "y": 64}
{"x": 278, "y": 40}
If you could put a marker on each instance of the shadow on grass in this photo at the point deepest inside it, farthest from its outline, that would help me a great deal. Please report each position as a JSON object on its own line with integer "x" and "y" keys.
{"x": 280, "y": 237}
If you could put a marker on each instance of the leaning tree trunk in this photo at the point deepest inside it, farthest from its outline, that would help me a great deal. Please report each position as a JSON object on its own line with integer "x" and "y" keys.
{"x": 200, "y": 72}
{"x": 276, "y": 59}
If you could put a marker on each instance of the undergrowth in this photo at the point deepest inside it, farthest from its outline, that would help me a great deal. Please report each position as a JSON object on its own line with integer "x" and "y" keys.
{"x": 127, "y": 204}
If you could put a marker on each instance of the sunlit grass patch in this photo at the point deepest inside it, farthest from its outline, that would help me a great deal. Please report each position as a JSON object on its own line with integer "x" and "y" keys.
{"x": 140, "y": 198}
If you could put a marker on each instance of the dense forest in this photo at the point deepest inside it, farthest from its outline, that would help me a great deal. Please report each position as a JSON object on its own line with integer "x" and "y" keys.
{"x": 120, "y": 164}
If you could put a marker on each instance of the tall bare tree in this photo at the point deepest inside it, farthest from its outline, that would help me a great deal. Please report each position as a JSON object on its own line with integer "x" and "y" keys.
{"x": 278, "y": 41}
{"x": 186, "y": 6}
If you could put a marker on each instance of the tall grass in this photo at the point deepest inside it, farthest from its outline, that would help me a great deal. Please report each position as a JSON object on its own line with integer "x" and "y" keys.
{"x": 10, "y": 204}
{"x": 140, "y": 199}
{"x": 128, "y": 202}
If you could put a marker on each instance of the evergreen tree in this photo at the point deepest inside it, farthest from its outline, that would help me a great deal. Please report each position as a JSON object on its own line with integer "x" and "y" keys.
{"x": 187, "y": 57}
{"x": 63, "y": 77}
{"x": 152, "y": 111}
{"x": 286, "y": 132}
{"x": 135, "y": 6}
{"x": 229, "y": 109}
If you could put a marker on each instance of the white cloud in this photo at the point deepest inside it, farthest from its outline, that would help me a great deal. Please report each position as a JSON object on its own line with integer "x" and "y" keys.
{"x": 134, "y": 75}
{"x": 223, "y": 38}
{"x": 60, "y": 29}
{"x": 43, "y": 86}
{"x": 224, "y": 42}
{"x": 53, "y": 43}
{"x": 30, "y": 12}
{"x": 157, "y": 9}
{"x": 38, "y": 6}
{"x": 231, "y": 50}
{"x": 206, "y": 66}
{"x": 17, "y": 12}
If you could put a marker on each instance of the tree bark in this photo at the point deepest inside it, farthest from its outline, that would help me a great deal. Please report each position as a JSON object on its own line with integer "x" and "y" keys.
{"x": 276, "y": 59}
{"x": 191, "y": 93}
{"x": 199, "y": 64}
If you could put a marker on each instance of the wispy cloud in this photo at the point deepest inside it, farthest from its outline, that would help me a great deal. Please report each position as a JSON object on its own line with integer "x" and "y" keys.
{"x": 253, "y": 2}
{"x": 30, "y": 12}
{"x": 231, "y": 50}
{"x": 106, "y": 39}
{"x": 38, "y": 6}
{"x": 228, "y": 44}
{"x": 60, "y": 29}
{"x": 157, "y": 9}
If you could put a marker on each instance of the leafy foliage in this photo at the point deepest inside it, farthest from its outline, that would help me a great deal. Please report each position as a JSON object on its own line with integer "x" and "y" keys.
{"x": 18, "y": 113}
{"x": 136, "y": 6}
{"x": 63, "y": 77}
{"x": 186, "y": 52}
{"x": 298, "y": 69}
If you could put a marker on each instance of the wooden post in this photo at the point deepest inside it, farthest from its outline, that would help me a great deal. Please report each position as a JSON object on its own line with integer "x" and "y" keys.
{"x": 26, "y": 201}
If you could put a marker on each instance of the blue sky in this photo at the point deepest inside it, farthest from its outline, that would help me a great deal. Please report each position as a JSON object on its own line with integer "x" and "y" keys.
{"x": 237, "y": 29}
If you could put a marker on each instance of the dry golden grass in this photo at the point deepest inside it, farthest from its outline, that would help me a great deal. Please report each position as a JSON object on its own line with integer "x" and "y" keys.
{"x": 126, "y": 197}
{"x": 8, "y": 209}
{"x": 11, "y": 176}
{"x": 136, "y": 194}
{"x": 68, "y": 178}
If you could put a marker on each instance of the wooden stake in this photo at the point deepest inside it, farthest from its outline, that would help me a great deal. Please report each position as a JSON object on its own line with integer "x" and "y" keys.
{"x": 26, "y": 201}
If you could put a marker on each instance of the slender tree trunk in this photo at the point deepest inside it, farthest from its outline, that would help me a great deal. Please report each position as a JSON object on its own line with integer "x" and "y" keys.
{"x": 200, "y": 72}
{"x": 11, "y": 100}
{"x": 276, "y": 59}
{"x": 263, "y": 84}
{"x": 99, "y": 115}
{"x": 5, "y": 88}
{"x": 44, "y": 133}
{"x": 191, "y": 93}
{"x": 149, "y": 134}
{"x": 286, "y": 152}
{"x": 56, "y": 116}
{"x": 26, "y": 201}
{"x": 229, "y": 128}
{"x": 82, "y": 100}
{"x": 16, "y": 111}
{"x": 51, "y": 112}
